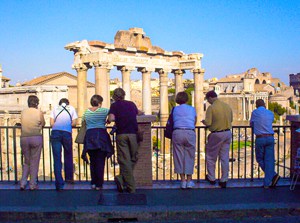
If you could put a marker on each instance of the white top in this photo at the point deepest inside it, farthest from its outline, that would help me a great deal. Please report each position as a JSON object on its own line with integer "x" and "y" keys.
{"x": 63, "y": 120}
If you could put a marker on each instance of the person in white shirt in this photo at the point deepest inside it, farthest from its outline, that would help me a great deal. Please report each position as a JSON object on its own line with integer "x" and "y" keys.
{"x": 62, "y": 118}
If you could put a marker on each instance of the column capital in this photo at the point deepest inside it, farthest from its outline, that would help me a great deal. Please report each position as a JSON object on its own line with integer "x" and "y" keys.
{"x": 125, "y": 68}
{"x": 198, "y": 71}
{"x": 145, "y": 69}
{"x": 81, "y": 67}
{"x": 178, "y": 72}
{"x": 97, "y": 64}
{"x": 163, "y": 70}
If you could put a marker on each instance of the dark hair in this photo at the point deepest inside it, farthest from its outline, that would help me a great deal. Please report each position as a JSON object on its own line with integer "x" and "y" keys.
{"x": 182, "y": 97}
{"x": 64, "y": 100}
{"x": 259, "y": 103}
{"x": 119, "y": 94}
{"x": 211, "y": 94}
{"x": 33, "y": 101}
{"x": 96, "y": 100}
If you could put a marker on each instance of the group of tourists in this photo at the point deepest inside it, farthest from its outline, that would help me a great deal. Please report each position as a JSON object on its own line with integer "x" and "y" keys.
{"x": 97, "y": 141}
{"x": 218, "y": 119}
{"x": 98, "y": 146}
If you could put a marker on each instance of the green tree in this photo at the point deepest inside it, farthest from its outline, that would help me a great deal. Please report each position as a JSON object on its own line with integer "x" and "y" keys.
{"x": 189, "y": 92}
{"x": 292, "y": 104}
{"x": 172, "y": 102}
{"x": 277, "y": 109}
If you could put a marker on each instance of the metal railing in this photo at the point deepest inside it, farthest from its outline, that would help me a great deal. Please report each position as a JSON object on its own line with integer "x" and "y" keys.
{"x": 242, "y": 156}
{"x": 242, "y": 159}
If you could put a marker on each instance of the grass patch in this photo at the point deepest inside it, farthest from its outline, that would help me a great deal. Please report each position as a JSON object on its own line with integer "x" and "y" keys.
{"x": 240, "y": 145}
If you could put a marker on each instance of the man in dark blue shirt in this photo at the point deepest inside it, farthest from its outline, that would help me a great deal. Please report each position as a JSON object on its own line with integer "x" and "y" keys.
{"x": 124, "y": 113}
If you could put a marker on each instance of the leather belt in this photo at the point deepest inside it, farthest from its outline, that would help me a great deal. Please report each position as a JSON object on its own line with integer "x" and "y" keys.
{"x": 264, "y": 135}
{"x": 184, "y": 129}
{"x": 225, "y": 130}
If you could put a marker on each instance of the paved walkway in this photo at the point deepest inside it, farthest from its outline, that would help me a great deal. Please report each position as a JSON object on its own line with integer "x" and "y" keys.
{"x": 148, "y": 205}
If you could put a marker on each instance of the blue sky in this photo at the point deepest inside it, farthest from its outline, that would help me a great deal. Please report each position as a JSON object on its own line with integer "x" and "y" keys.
{"x": 233, "y": 35}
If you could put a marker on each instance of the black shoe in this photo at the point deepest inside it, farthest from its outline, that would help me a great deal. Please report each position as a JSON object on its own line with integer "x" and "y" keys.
{"x": 275, "y": 180}
{"x": 130, "y": 191}
{"x": 59, "y": 189}
{"x": 119, "y": 185}
{"x": 223, "y": 184}
{"x": 212, "y": 182}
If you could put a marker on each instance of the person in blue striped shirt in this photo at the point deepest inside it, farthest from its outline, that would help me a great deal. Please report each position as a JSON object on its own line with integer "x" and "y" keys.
{"x": 97, "y": 142}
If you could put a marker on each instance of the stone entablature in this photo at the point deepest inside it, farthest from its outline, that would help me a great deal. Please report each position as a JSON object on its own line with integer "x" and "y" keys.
{"x": 131, "y": 48}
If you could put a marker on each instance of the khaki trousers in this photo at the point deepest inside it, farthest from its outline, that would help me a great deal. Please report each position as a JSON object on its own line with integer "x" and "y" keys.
{"x": 127, "y": 151}
{"x": 31, "y": 149}
{"x": 218, "y": 147}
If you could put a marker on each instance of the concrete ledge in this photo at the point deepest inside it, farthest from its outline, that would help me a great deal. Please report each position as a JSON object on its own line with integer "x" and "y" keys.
{"x": 162, "y": 205}
{"x": 159, "y": 213}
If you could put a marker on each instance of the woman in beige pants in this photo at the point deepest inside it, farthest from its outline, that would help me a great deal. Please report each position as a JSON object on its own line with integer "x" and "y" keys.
{"x": 32, "y": 121}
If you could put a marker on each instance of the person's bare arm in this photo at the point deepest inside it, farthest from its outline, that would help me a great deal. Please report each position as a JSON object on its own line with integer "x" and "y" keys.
{"x": 140, "y": 112}
{"x": 51, "y": 122}
{"x": 74, "y": 122}
{"x": 110, "y": 118}
{"x": 43, "y": 123}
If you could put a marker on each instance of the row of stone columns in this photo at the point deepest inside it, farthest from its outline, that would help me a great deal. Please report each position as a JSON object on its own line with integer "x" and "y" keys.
{"x": 102, "y": 83}
{"x": 248, "y": 105}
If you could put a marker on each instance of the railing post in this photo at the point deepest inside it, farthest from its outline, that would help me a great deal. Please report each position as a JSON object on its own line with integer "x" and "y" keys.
{"x": 143, "y": 167}
{"x": 295, "y": 138}
{"x": 252, "y": 154}
{"x": 15, "y": 156}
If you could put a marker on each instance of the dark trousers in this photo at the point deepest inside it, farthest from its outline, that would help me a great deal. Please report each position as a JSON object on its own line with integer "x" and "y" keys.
{"x": 97, "y": 158}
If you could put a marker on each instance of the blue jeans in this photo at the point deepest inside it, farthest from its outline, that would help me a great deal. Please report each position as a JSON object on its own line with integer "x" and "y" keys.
{"x": 61, "y": 139}
{"x": 264, "y": 151}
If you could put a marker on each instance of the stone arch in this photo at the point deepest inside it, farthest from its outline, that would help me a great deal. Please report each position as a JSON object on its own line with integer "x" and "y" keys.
{"x": 257, "y": 81}
{"x": 264, "y": 82}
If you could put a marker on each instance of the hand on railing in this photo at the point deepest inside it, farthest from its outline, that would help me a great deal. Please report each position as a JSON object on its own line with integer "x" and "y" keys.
{"x": 85, "y": 158}
{"x": 113, "y": 130}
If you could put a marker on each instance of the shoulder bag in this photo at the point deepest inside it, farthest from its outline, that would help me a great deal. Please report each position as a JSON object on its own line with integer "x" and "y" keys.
{"x": 169, "y": 126}
{"x": 81, "y": 134}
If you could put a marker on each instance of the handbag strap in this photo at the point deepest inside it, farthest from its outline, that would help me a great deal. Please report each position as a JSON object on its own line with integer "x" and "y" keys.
{"x": 64, "y": 108}
{"x": 172, "y": 111}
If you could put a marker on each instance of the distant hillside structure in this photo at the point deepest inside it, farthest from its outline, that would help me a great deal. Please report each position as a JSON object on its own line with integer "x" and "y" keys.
{"x": 133, "y": 50}
{"x": 62, "y": 79}
{"x": 241, "y": 91}
{"x": 48, "y": 88}
{"x": 295, "y": 82}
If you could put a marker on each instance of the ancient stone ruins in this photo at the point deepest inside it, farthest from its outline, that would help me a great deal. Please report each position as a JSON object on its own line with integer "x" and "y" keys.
{"x": 133, "y": 50}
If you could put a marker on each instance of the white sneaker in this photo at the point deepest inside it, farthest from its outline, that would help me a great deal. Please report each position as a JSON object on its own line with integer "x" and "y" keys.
{"x": 183, "y": 184}
{"x": 190, "y": 184}
{"x": 93, "y": 186}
